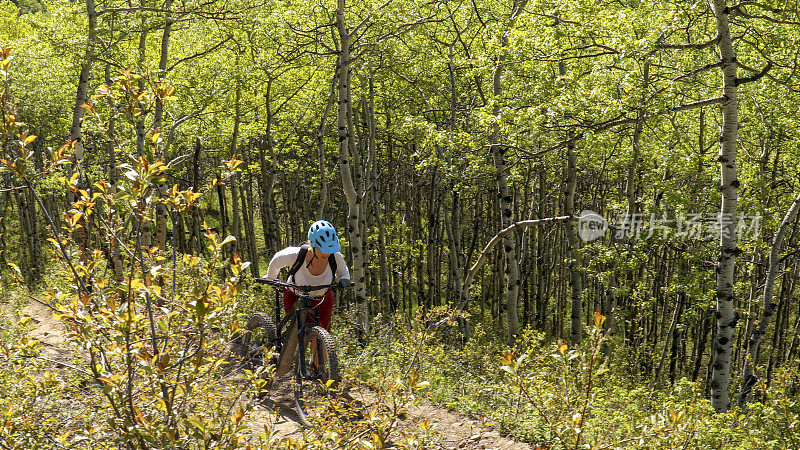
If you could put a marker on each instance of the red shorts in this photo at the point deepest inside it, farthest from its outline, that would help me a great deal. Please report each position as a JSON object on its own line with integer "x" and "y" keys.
{"x": 323, "y": 306}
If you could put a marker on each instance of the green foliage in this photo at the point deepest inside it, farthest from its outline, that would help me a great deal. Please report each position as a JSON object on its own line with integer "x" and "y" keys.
{"x": 572, "y": 67}
{"x": 549, "y": 394}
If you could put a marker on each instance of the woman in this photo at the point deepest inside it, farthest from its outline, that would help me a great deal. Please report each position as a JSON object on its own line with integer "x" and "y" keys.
{"x": 314, "y": 264}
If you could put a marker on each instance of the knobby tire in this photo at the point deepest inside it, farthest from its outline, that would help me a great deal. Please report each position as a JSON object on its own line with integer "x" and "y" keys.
{"x": 326, "y": 347}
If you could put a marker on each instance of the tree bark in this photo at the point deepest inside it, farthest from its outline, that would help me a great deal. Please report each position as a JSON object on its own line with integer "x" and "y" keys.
{"x": 250, "y": 225}
{"x": 353, "y": 200}
{"x": 266, "y": 180}
{"x": 504, "y": 197}
{"x": 236, "y": 223}
{"x": 145, "y": 211}
{"x": 753, "y": 346}
{"x": 575, "y": 278}
{"x": 473, "y": 271}
{"x": 4, "y": 200}
{"x": 323, "y": 182}
{"x": 81, "y": 97}
{"x": 196, "y": 240}
{"x": 726, "y": 316}
{"x": 161, "y": 209}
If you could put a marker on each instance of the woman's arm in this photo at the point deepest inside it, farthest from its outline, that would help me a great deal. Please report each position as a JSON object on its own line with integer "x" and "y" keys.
{"x": 342, "y": 272}
{"x": 283, "y": 258}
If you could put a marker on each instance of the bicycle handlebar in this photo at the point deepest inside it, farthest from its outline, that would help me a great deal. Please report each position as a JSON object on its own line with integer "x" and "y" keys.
{"x": 303, "y": 288}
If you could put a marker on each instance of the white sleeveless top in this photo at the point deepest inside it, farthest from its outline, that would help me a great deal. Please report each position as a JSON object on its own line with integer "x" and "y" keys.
{"x": 303, "y": 277}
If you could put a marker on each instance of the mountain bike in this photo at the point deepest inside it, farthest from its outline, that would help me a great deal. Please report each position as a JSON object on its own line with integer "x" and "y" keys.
{"x": 314, "y": 363}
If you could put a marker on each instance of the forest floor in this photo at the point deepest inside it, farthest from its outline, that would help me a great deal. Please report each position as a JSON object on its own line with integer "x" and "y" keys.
{"x": 451, "y": 430}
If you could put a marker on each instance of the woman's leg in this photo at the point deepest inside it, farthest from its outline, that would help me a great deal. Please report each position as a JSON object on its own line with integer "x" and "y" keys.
{"x": 325, "y": 310}
{"x": 289, "y": 298}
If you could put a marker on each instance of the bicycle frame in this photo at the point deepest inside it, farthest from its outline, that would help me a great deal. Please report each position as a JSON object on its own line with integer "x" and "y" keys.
{"x": 300, "y": 310}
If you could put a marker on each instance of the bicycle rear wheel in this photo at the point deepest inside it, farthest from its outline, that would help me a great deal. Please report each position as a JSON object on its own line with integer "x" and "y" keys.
{"x": 258, "y": 340}
{"x": 321, "y": 365}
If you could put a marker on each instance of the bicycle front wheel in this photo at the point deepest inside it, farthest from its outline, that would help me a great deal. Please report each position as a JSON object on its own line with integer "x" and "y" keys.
{"x": 315, "y": 364}
{"x": 258, "y": 339}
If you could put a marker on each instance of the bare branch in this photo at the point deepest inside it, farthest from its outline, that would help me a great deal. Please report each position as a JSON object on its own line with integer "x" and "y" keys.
{"x": 756, "y": 76}
{"x": 204, "y": 52}
{"x": 699, "y": 70}
{"x": 699, "y": 104}
{"x": 743, "y": 13}
{"x": 701, "y": 46}
{"x": 61, "y": 363}
{"x": 627, "y": 120}
{"x": 369, "y": 14}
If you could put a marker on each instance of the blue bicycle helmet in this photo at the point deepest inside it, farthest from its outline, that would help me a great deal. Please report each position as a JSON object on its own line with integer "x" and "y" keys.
{"x": 322, "y": 235}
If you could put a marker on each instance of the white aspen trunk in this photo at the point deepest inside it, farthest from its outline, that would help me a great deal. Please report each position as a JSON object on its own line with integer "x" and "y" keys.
{"x": 248, "y": 207}
{"x": 323, "y": 181}
{"x": 726, "y": 317}
{"x": 753, "y": 346}
{"x": 236, "y": 223}
{"x": 575, "y": 279}
{"x": 455, "y": 252}
{"x": 196, "y": 241}
{"x": 452, "y": 221}
{"x": 504, "y": 196}
{"x": 145, "y": 219}
{"x": 266, "y": 180}
{"x": 353, "y": 200}
{"x": 384, "y": 269}
{"x": 113, "y": 216}
{"x": 161, "y": 210}
{"x": 4, "y": 200}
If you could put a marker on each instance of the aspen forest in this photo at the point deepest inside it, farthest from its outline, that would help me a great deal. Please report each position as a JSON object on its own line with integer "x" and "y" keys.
{"x": 567, "y": 224}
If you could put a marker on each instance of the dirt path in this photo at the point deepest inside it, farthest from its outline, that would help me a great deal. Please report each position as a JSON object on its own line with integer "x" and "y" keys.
{"x": 450, "y": 429}
{"x": 49, "y": 331}
{"x": 276, "y": 413}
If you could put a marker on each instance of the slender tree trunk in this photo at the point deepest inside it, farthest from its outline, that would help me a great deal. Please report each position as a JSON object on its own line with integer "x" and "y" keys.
{"x": 753, "y": 346}
{"x": 726, "y": 316}
{"x": 223, "y": 210}
{"x": 575, "y": 279}
{"x": 266, "y": 181}
{"x": 113, "y": 217}
{"x": 671, "y": 344}
{"x": 4, "y": 200}
{"x": 81, "y": 96}
{"x": 196, "y": 240}
{"x": 25, "y": 225}
{"x": 161, "y": 209}
{"x": 236, "y": 223}
{"x": 145, "y": 222}
{"x": 323, "y": 181}
{"x": 353, "y": 199}
{"x": 780, "y": 319}
{"x": 250, "y": 225}
{"x": 703, "y": 328}
{"x": 86, "y": 70}
{"x": 505, "y": 199}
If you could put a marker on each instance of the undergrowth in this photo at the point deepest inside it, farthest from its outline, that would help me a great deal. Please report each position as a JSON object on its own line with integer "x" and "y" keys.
{"x": 543, "y": 392}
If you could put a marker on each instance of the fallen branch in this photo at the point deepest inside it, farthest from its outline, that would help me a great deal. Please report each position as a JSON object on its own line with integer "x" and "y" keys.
{"x": 13, "y": 188}
{"x": 493, "y": 243}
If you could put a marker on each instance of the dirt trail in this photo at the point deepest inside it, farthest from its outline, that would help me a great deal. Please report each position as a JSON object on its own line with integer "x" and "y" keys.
{"x": 453, "y": 430}
{"x": 49, "y": 331}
